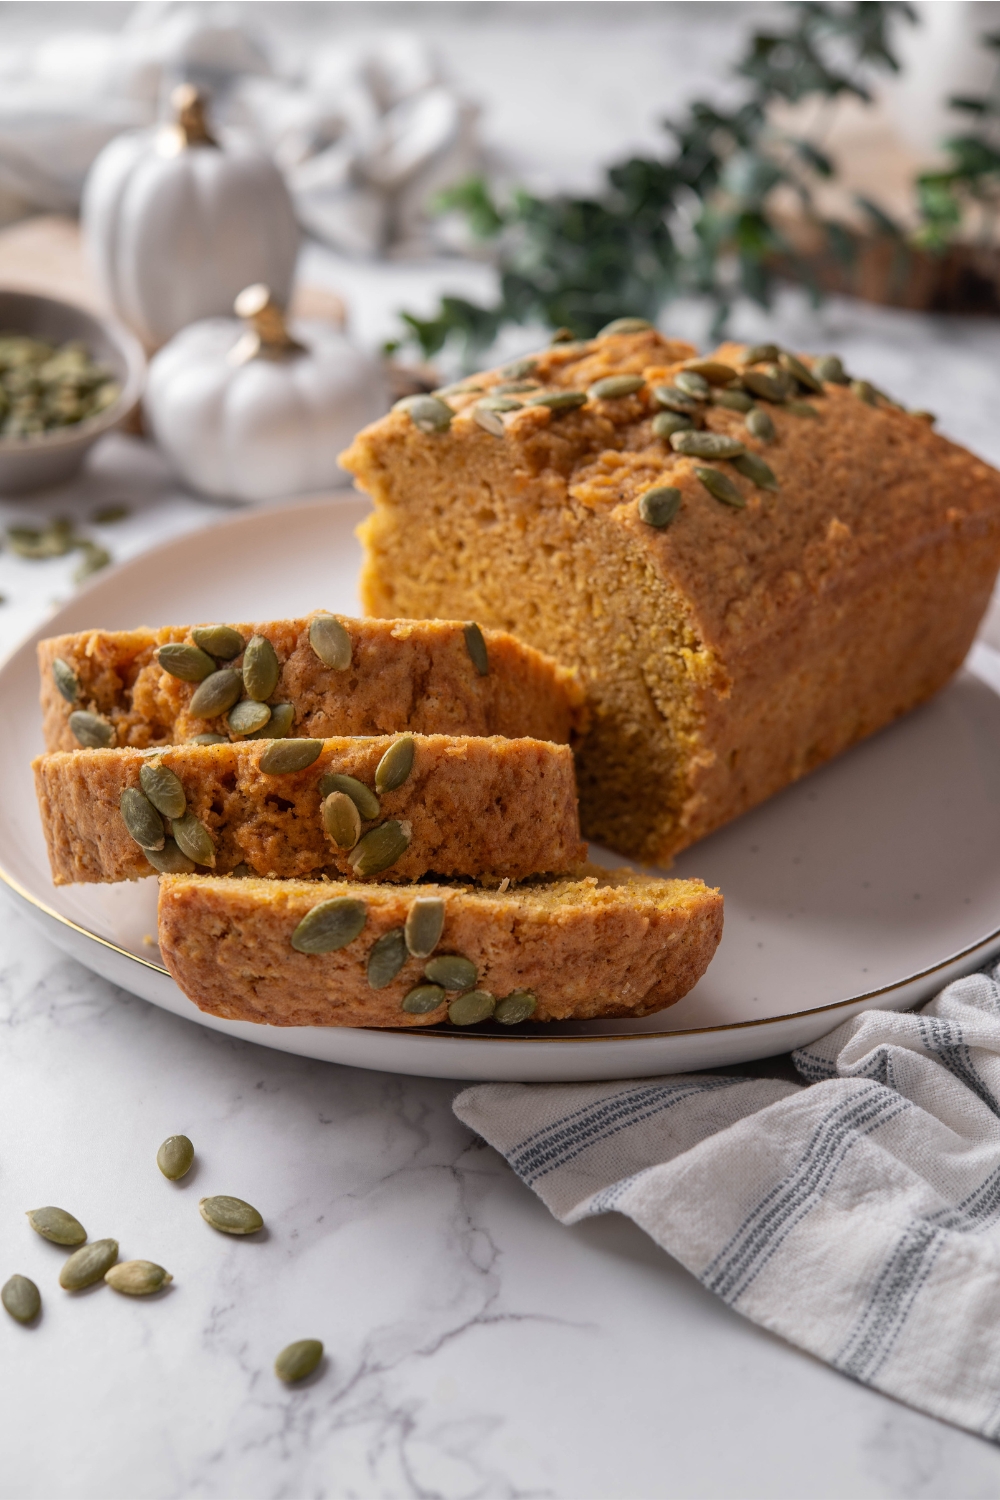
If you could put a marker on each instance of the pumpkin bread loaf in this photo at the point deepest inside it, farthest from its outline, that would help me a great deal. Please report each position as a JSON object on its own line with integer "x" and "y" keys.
{"x": 373, "y": 677}
{"x": 752, "y": 562}
{"x": 301, "y": 953}
{"x": 383, "y": 807}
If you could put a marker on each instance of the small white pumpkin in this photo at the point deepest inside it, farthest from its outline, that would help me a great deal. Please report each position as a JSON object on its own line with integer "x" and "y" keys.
{"x": 176, "y": 224}
{"x": 254, "y": 410}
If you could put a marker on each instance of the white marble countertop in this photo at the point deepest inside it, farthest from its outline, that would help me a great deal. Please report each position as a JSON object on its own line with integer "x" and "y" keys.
{"x": 476, "y": 1348}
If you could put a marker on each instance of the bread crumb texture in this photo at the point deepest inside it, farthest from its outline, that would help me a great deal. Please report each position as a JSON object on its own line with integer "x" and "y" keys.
{"x": 478, "y": 807}
{"x": 730, "y": 652}
{"x": 598, "y": 943}
{"x": 404, "y": 674}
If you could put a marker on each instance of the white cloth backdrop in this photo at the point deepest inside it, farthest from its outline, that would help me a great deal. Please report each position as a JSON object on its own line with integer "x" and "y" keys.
{"x": 858, "y": 1216}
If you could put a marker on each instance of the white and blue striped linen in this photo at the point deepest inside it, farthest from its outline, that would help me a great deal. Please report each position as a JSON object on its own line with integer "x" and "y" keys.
{"x": 858, "y": 1215}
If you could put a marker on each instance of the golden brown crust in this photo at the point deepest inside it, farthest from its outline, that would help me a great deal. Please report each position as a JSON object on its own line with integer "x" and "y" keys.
{"x": 604, "y": 944}
{"x": 730, "y": 652}
{"x": 404, "y": 674}
{"x": 476, "y": 807}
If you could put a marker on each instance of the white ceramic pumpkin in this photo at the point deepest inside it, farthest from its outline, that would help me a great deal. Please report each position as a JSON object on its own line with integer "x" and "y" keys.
{"x": 175, "y": 224}
{"x": 257, "y": 410}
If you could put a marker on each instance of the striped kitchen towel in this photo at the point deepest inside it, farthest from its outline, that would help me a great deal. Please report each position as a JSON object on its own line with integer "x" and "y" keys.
{"x": 858, "y": 1216}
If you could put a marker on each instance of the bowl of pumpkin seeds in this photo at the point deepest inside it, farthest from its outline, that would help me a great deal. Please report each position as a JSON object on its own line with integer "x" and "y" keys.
{"x": 66, "y": 378}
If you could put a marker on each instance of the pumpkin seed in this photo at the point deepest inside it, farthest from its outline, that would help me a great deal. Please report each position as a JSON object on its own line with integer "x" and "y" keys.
{"x": 137, "y": 1278}
{"x": 330, "y": 925}
{"x": 861, "y": 388}
{"x": 91, "y": 730}
{"x": 421, "y": 1000}
{"x": 752, "y": 466}
{"x": 460, "y": 388}
{"x": 519, "y": 368}
{"x": 230, "y": 1215}
{"x": 501, "y": 402}
{"x": 732, "y": 400}
{"x": 470, "y": 1009}
{"x": 830, "y": 368}
{"x": 759, "y": 425}
{"x": 801, "y": 409}
{"x": 278, "y": 725}
{"x": 800, "y": 372}
{"x": 706, "y": 445}
{"x": 331, "y": 641}
{"x": 188, "y": 663}
{"x": 261, "y": 668}
{"x": 21, "y": 1298}
{"x": 712, "y": 370}
{"x": 518, "y": 1006}
{"x": 486, "y": 418}
{"x": 721, "y": 487}
{"x": 692, "y": 384}
{"x": 284, "y": 757}
{"x": 298, "y": 1360}
{"x": 666, "y": 423}
{"x": 659, "y": 507}
{"x": 169, "y": 860}
{"x": 57, "y": 1225}
{"x": 613, "y": 387}
{"x": 341, "y": 820}
{"x": 209, "y": 739}
{"x": 624, "y": 325}
{"x": 510, "y": 388}
{"x": 761, "y": 354}
{"x": 475, "y": 644}
{"x": 452, "y": 971}
{"x": 193, "y": 839}
{"x": 395, "y": 765}
{"x": 362, "y": 796}
{"x": 559, "y": 400}
{"x": 220, "y": 641}
{"x": 766, "y": 385}
{"x": 247, "y": 717}
{"x": 164, "y": 790}
{"x": 217, "y": 694}
{"x": 386, "y": 958}
{"x": 428, "y": 414}
{"x": 175, "y": 1156}
{"x": 424, "y": 925}
{"x": 140, "y": 817}
{"x": 65, "y": 679}
{"x": 675, "y": 400}
{"x": 87, "y": 1265}
{"x": 380, "y": 848}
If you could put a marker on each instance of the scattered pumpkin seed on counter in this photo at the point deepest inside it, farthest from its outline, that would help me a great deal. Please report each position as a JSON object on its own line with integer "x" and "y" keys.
{"x": 298, "y": 1360}
{"x": 230, "y": 1215}
{"x": 87, "y": 1265}
{"x": 138, "y": 1278}
{"x": 45, "y": 386}
{"x": 21, "y": 1298}
{"x": 175, "y": 1157}
{"x": 57, "y": 1225}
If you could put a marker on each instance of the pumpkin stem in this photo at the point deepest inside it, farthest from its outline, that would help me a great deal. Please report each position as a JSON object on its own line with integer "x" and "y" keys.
{"x": 267, "y": 334}
{"x": 189, "y": 116}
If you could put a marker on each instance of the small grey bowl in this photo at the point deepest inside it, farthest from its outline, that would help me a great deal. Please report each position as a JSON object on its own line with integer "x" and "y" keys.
{"x": 34, "y": 463}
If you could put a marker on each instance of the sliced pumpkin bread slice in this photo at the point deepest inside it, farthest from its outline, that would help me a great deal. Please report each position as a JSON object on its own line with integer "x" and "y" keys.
{"x": 386, "y": 807}
{"x": 308, "y": 953}
{"x": 318, "y": 676}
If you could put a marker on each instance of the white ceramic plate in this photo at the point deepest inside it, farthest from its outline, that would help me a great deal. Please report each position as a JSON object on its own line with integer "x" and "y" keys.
{"x": 872, "y": 883}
